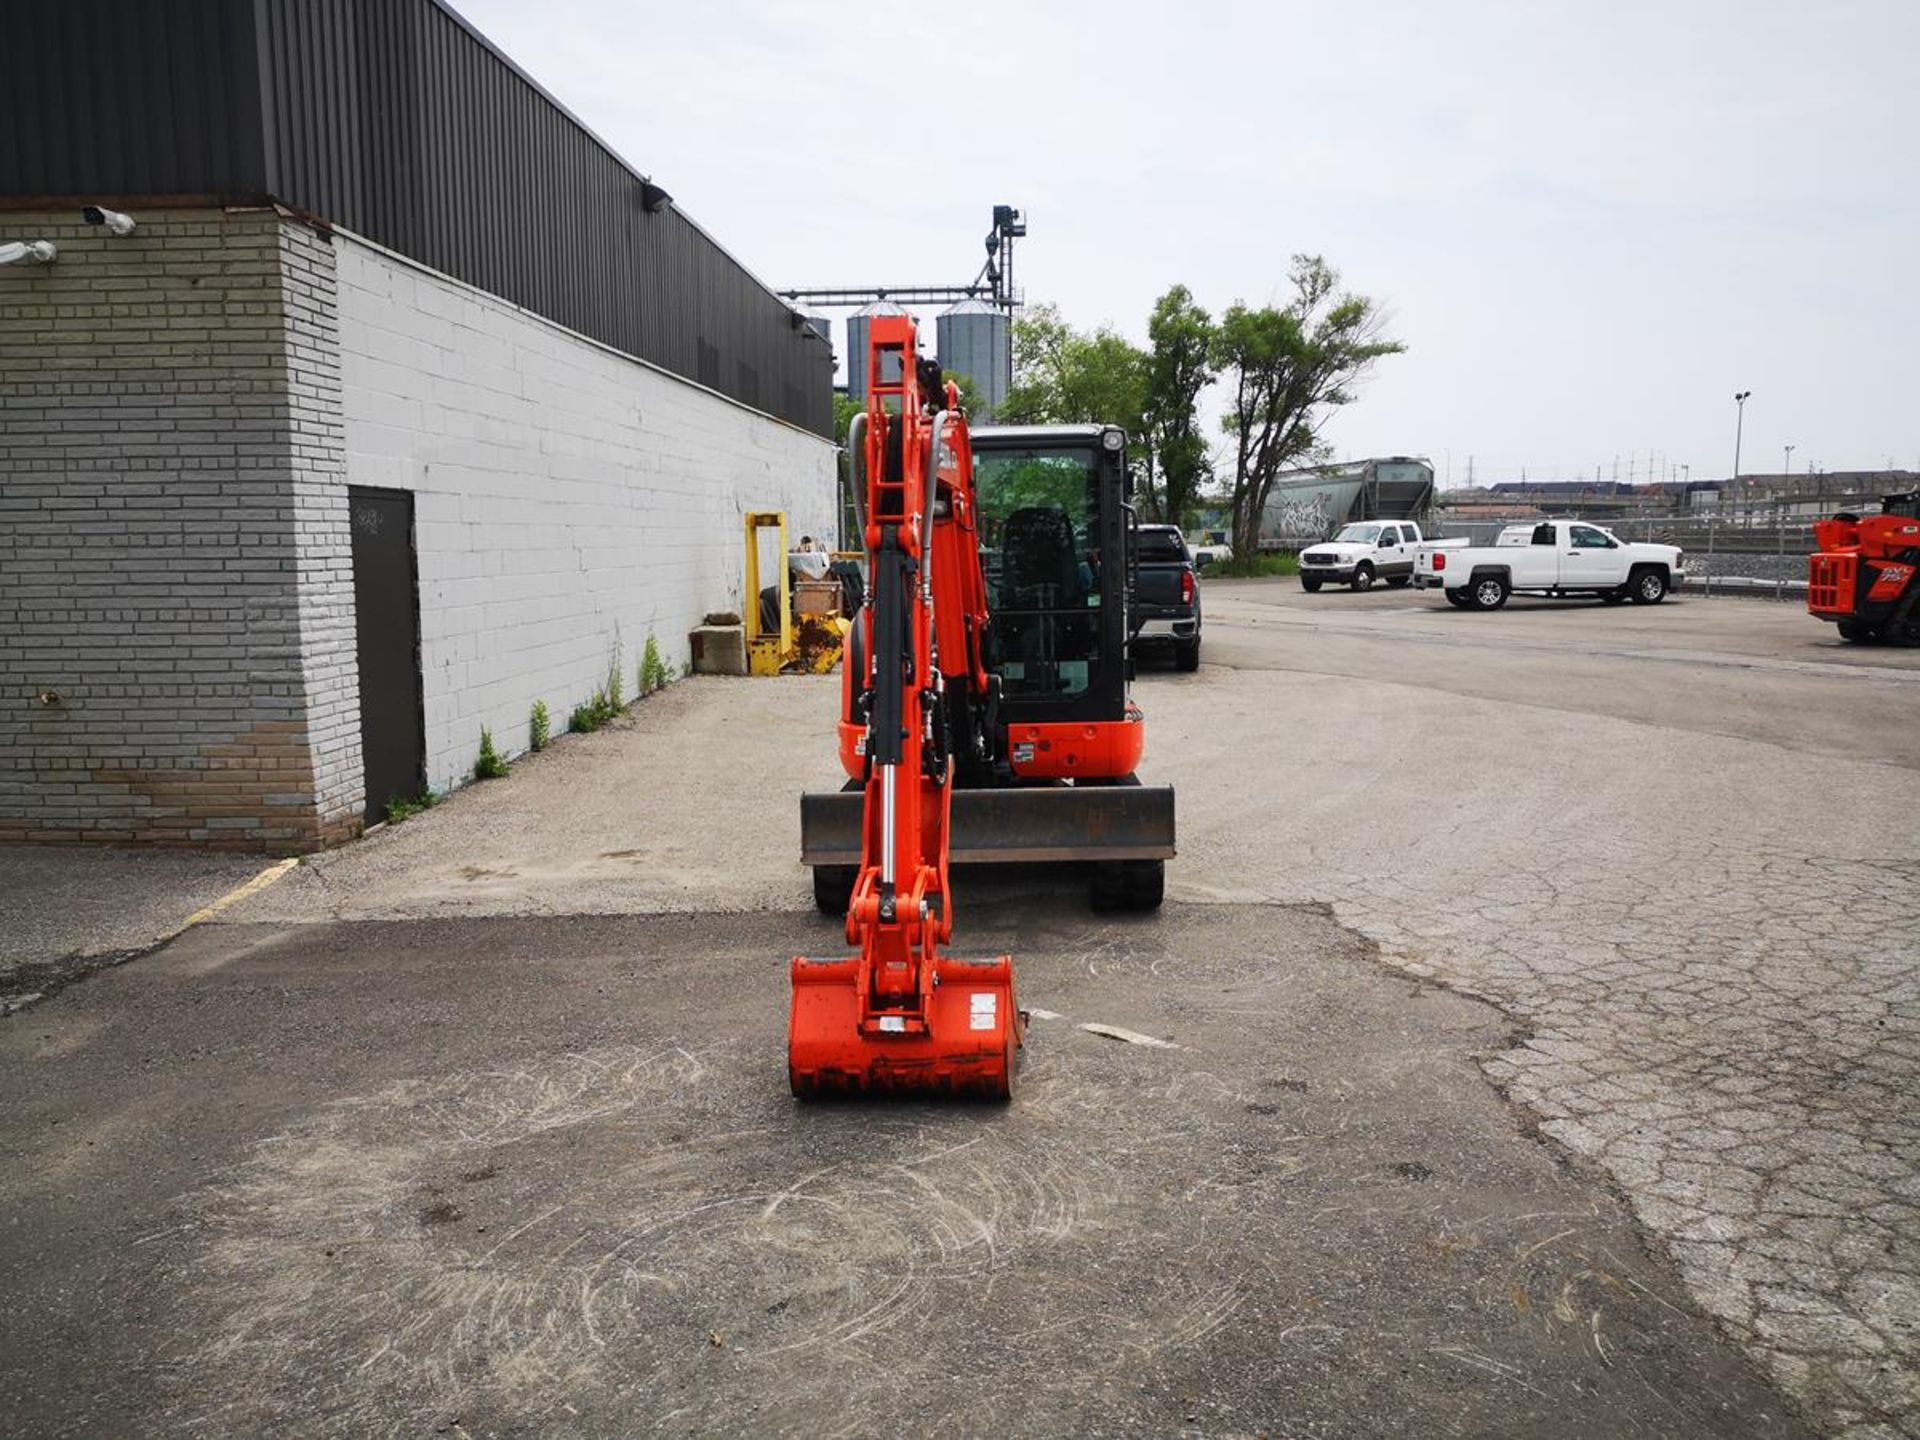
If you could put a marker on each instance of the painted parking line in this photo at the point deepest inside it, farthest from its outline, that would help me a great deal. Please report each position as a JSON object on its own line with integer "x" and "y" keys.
{"x": 239, "y": 892}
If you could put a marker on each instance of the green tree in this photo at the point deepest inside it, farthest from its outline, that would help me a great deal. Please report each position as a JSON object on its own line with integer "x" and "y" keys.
{"x": 1062, "y": 376}
{"x": 1180, "y": 364}
{"x": 1286, "y": 368}
{"x": 969, "y": 396}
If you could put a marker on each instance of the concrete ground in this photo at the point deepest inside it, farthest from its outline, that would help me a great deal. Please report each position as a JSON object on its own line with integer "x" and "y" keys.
{"x": 68, "y": 910}
{"x": 541, "y": 1176}
{"x": 1667, "y": 847}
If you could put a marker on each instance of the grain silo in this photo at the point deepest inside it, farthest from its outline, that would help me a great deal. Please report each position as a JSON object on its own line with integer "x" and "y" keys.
{"x": 857, "y": 345}
{"x": 976, "y": 340}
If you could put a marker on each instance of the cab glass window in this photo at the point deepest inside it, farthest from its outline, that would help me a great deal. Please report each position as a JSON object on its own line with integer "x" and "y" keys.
{"x": 1038, "y": 515}
{"x": 1543, "y": 535}
{"x": 1585, "y": 537}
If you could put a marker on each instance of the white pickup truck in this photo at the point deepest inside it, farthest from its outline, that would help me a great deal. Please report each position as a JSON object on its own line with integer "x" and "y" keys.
{"x": 1363, "y": 552}
{"x": 1552, "y": 557}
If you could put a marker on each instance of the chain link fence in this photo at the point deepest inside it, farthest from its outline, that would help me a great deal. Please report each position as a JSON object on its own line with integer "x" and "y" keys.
{"x": 1738, "y": 545}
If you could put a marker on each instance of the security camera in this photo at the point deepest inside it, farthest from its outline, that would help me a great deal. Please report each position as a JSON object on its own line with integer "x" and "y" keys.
{"x": 116, "y": 223}
{"x": 33, "y": 252}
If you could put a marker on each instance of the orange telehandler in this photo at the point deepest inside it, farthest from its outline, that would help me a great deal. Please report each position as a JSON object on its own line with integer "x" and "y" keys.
{"x": 983, "y": 693}
{"x": 1865, "y": 577}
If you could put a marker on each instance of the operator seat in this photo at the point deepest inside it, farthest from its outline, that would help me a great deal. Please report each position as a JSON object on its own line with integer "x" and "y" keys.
{"x": 1038, "y": 567}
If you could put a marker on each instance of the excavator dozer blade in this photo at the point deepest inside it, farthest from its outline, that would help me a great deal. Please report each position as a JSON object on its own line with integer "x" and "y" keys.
{"x": 968, "y": 1045}
{"x": 1031, "y": 824}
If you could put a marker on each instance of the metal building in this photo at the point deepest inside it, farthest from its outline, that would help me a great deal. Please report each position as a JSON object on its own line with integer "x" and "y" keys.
{"x": 399, "y": 121}
{"x": 403, "y": 407}
{"x": 975, "y": 339}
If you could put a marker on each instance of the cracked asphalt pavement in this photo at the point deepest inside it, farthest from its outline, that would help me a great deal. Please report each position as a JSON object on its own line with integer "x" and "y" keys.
{"x": 1673, "y": 847}
{"x": 1678, "y": 845}
{"x": 1675, "y": 843}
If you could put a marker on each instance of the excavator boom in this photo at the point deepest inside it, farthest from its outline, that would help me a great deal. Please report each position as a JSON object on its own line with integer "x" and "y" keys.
{"x": 896, "y": 1014}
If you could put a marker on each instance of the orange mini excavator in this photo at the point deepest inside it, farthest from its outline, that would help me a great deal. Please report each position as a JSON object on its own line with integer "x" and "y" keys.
{"x": 898, "y": 1014}
{"x": 1865, "y": 577}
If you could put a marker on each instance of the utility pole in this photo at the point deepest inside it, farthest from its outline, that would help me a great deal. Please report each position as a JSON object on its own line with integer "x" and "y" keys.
{"x": 1780, "y": 530}
{"x": 1739, "y": 422}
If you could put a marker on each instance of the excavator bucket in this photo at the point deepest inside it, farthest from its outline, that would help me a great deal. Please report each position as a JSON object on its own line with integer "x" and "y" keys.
{"x": 966, "y": 1043}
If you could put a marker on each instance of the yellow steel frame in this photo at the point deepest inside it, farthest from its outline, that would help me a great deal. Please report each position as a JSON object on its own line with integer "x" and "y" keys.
{"x": 767, "y": 653}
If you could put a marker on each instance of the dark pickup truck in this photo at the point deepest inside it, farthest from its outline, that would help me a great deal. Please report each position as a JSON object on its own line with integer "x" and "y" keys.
{"x": 1165, "y": 604}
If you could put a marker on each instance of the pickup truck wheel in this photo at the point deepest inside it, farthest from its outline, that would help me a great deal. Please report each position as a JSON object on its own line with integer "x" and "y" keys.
{"x": 1362, "y": 576}
{"x": 1649, "y": 587}
{"x": 1614, "y": 597}
{"x": 1489, "y": 592}
{"x": 1186, "y": 654}
{"x": 1309, "y": 583}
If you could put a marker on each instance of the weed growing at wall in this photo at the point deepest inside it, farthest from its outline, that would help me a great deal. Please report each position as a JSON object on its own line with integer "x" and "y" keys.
{"x": 539, "y": 727}
{"x": 491, "y": 765}
{"x": 654, "y": 672}
{"x": 398, "y": 810}
{"x": 591, "y": 716}
{"x": 616, "y": 691}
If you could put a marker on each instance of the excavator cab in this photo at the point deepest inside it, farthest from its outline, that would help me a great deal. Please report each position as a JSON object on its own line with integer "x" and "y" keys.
{"x": 1055, "y": 530}
{"x": 1051, "y": 777}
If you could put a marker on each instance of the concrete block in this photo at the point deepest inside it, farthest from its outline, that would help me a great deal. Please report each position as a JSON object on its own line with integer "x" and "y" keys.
{"x": 719, "y": 649}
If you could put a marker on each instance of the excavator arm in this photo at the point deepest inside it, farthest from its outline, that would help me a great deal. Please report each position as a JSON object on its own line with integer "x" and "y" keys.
{"x": 896, "y": 1013}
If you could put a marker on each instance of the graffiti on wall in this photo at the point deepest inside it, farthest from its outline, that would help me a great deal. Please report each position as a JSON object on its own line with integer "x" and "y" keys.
{"x": 1304, "y": 517}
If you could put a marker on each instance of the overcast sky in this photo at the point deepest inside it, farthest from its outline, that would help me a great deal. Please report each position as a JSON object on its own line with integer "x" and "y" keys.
{"x": 1591, "y": 222}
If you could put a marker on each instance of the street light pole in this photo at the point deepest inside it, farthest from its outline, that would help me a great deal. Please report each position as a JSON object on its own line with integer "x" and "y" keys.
{"x": 1780, "y": 531}
{"x": 1739, "y": 423}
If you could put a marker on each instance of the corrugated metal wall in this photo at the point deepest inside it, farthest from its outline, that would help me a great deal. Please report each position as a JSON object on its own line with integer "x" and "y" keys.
{"x": 395, "y": 120}
{"x": 103, "y": 97}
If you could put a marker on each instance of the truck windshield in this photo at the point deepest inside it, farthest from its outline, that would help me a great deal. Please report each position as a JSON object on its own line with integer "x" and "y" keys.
{"x": 1358, "y": 534}
{"x": 1040, "y": 549}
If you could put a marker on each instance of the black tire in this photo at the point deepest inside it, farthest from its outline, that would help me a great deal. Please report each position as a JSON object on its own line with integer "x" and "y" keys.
{"x": 1854, "y": 631}
{"x": 1129, "y": 885}
{"x": 1903, "y": 626}
{"x": 1186, "y": 654}
{"x": 1459, "y": 598}
{"x": 1310, "y": 583}
{"x": 833, "y": 888}
{"x": 1614, "y": 597}
{"x": 1362, "y": 577}
{"x": 1399, "y": 582}
{"x": 1648, "y": 587}
{"x": 1488, "y": 592}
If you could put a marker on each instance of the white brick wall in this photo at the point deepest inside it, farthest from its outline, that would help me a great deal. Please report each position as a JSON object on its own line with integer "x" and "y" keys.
{"x": 324, "y": 577}
{"x": 568, "y": 498}
{"x": 149, "y": 447}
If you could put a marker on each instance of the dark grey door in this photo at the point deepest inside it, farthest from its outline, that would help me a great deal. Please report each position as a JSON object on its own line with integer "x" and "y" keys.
{"x": 386, "y": 606}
